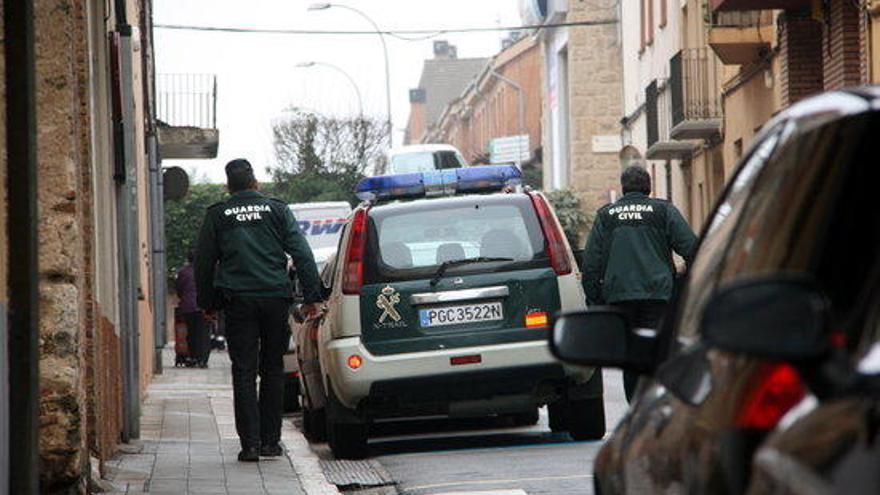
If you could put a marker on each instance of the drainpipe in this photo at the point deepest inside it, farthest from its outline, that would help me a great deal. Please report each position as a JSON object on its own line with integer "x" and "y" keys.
{"x": 127, "y": 221}
{"x": 157, "y": 205}
{"x": 23, "y": 350}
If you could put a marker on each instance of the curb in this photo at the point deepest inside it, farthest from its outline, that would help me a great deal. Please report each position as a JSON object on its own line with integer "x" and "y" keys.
{"x": 305, "y": 463}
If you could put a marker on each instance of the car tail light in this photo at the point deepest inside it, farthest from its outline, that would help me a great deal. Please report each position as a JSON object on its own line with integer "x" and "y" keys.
{"x": 775, "y": 389}
{"x": 554, "y": 241}
{"x": 471, "y": 359}
{"x": 353, "y": 276}
{"x": 537, "y": 319}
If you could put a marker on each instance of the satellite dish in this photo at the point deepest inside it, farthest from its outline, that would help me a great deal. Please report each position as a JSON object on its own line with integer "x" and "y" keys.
{"x": 176, "y": 183}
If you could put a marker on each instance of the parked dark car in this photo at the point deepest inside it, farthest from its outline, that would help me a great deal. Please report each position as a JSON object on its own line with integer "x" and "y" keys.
{"x": 781, "y": 285}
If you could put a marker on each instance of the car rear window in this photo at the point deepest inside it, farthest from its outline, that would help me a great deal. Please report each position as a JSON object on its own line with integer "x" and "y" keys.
{"x": 412, "y": 242}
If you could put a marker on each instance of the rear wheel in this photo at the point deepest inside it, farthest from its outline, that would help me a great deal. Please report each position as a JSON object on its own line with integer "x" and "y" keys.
{"x": 586, "y": 418}
{"x": 315, "y": 425}
{"x": 346, "y": 433}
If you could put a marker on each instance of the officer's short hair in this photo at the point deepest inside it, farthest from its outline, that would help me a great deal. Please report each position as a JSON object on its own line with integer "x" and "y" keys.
{"x": 635, "y": 179}
{"x": 240, "y": 175}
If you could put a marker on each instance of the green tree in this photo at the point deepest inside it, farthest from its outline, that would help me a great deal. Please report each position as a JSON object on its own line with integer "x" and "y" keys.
{"x": 183, "y": 219}
{"x": 571, "y": 215}
{"x": 321, "y": 158}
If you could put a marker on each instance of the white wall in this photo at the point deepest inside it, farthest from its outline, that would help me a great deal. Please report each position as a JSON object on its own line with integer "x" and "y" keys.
{"x": 556, "y": 87}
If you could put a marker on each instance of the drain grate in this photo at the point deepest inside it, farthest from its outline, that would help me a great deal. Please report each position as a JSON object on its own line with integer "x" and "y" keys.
{"x": 355, "y": 474}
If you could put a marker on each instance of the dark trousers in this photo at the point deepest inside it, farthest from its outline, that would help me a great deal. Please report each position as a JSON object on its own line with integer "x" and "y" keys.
{"x": 257, "y": 334}
{"x": 197, "y": 338}
{"x": 640, "y": 314}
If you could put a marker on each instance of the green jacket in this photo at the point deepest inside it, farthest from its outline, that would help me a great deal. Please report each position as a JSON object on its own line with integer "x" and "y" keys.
{"x": 241, "y": 250}
{"x": 629, "y": 252}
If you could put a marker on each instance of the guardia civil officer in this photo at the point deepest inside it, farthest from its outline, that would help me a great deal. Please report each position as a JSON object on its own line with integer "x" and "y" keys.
{"x": 628, "y": 259}
{"x": 241, "y": 267}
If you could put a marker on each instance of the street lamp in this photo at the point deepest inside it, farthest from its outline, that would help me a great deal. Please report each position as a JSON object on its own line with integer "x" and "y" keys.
{"x": 327, "y": 5}
{"x": 338, "y": 69}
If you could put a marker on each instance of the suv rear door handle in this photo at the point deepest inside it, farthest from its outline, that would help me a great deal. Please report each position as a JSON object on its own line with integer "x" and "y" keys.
{"x": 459, "y": 295}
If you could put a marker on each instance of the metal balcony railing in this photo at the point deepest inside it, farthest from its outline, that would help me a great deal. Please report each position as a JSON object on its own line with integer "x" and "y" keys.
{"x": 187, "y": 100}
{"x": 741, "y": 19}
{"x": 662, "y": 144}
{"x": 694, "y": 87}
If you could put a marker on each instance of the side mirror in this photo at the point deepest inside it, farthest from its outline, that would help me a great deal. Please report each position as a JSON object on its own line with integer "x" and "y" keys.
{"x": 600, "y": 336}
{"x": 782, "y": 318}
{"x": 325, "y": 292}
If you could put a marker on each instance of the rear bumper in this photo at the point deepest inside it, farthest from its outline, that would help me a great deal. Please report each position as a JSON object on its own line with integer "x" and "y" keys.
{"x": 429, "y": 382}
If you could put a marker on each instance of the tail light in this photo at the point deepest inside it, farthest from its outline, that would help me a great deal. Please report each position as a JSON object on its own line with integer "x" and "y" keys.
{"x": 353, "y": 275}
{"x": 554, "y": 240}
{"x": 775, "y": 389}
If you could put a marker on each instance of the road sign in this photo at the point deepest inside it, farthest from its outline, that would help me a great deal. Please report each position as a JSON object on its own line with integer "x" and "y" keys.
{"x": 509, "y": 149}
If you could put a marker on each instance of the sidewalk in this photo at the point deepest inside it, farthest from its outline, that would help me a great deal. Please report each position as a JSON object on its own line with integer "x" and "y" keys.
{"x": 188, "y": 442}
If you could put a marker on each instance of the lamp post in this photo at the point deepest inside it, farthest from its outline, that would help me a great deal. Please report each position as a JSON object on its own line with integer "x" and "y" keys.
{"x": 521, "y": 111}
{"x": 327, "y": 5}
{"x": 350, "y": 79}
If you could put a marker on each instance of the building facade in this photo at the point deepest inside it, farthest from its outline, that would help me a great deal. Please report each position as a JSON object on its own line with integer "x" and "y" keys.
{"x": 502, "y": 101}
{"x": 443, "y": 79}
{"x": 581, "y": 97}
{"x": 82, "y": 284}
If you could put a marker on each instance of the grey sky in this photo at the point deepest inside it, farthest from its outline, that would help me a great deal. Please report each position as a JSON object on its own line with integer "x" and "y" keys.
{"x": 256, "y": 73}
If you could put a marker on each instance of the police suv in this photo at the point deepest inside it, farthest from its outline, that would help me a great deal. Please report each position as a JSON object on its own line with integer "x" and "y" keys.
{"x": 440, "y": 302}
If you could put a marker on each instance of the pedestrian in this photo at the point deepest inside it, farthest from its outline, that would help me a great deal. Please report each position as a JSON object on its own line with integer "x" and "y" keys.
{"x": 244, "y": 240}
{"x": 628, "y": 260}
{"x": 197, "y": 337}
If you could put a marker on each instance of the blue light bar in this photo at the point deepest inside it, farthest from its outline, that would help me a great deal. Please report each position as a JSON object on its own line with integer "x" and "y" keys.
{"x": 439, "y": 182}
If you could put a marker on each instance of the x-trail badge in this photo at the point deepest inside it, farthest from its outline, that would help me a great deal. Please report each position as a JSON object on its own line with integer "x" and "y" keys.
{"x": 387, "y": 301}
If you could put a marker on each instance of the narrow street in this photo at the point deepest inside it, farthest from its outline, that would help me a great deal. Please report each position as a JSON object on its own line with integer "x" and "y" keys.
{"x": 467, "y": 456}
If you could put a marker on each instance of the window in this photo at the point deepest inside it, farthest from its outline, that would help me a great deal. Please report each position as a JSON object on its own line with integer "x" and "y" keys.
{"x": 663, "y": 14}
{"x": 647, "y": 22}
{"x": 410, "y": 242}
{"x": 643, "y": 16}
{"x": 722, "y": 225}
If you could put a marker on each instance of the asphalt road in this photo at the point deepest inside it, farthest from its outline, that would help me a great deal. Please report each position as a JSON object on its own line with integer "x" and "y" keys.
{"x": 458, "y": 457}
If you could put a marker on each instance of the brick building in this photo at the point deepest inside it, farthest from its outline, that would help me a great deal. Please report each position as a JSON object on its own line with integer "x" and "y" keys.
{"x": 443, "y": 79}
{"x": 726, "y": 69}
{"x": 502, "y": 100}
{"x": 82, "y": 285}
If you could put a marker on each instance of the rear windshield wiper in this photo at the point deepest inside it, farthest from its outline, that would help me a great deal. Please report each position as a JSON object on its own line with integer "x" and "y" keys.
{"x": 441, "y": 270}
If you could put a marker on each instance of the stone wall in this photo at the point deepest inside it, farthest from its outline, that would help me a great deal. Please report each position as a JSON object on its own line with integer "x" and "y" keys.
{"x": 59, "y": 33}
{"x": 595, "y": 100}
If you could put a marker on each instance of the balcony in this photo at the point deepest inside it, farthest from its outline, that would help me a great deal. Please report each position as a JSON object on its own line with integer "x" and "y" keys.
{"x": 695, "y": 94}
{"x": 741, "y": 37}
{"x": 658, "y": 116}
{"x": 186, "y": 110}
{"x": 730, "y": 5}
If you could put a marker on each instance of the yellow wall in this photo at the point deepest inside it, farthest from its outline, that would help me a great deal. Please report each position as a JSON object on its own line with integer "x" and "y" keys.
{"x": 747, "y": 107}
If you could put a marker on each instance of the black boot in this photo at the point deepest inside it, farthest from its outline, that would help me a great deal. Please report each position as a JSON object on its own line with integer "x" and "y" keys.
{"x": 249, "y": 454}
{"x": 272, "y": 450}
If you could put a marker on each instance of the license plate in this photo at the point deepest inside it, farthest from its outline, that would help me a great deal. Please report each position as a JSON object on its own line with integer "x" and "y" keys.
{"x": 457, "y": 315}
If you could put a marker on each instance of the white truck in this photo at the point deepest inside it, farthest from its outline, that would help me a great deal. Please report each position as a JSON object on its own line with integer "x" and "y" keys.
{"x": 321, "y": 223}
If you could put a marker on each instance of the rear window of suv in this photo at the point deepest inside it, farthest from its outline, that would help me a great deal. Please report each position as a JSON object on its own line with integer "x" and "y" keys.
{"x": 411, "y": 240}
